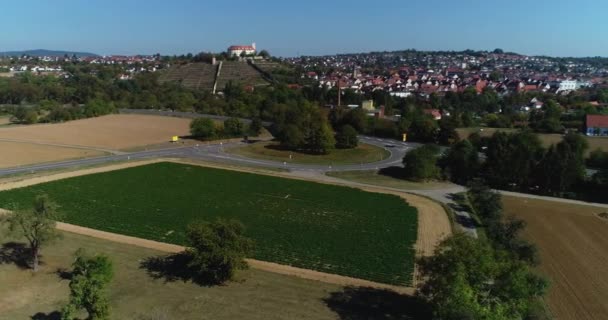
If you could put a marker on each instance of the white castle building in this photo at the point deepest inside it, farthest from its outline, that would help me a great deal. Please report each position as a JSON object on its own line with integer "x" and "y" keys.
{"x": 237, "y": 50}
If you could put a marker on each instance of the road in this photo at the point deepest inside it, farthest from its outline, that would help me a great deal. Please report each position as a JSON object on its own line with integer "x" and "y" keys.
{"x": 215, "y": 153}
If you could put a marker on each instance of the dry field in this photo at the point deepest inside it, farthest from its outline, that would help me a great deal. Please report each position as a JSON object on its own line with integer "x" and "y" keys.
{"x": 546, "y": 138}
{"x": 113, "y": 132}
{"x": 573, "y": 245}
{"x": 19, "y": 154}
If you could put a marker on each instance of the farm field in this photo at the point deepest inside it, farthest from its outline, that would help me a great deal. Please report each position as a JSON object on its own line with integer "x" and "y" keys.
{"x": 546, "y": 138}
{"x": 19, "y": 154}
{"x": 133, "y": 294}
{"x": 315, "y": 226}
{"x": 573, "y": 245}
{"x": 267, "y": 150}
{"x": 114, "y": 132}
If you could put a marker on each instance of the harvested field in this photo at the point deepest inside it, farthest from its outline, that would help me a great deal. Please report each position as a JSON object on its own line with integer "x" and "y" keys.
{"x": 547, "y": 139}
{"x": 321, "y": 227}
{"x": 573, "y": 245}
{"x": 114, "y": 132}
{"x": 20, "y": 154}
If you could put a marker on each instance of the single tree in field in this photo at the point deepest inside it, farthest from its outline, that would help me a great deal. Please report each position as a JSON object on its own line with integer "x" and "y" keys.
{"x": 90, "y": 278}
{"x": 36, "y": 225}
{"x": 217, "y": 250}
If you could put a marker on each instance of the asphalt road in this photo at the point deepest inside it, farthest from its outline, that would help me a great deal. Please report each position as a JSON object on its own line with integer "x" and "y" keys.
{"x": 215, "y": 153}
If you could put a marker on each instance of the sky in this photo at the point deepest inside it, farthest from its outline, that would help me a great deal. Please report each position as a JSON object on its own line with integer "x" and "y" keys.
{"x": 310, "y": 27}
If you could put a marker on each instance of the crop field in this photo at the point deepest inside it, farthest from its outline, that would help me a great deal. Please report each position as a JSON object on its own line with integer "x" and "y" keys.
{"x": 315, "y": 226}
{"x": 115, "y": 132}
{"x": 573, "y": 244}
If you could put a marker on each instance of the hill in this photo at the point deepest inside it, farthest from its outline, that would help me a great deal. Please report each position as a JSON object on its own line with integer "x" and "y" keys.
{"x": 205, "y": 76}
{"x": 46, "y": 53}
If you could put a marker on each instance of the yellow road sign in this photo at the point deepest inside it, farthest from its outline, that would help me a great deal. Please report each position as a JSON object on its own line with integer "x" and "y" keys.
{"x": 404, "y": 137}
{"x": 174, "y": 139}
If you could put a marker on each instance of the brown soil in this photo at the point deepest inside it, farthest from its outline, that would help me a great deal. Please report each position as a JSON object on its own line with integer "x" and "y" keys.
{"x": 573, "y": 246}
{"x": 19, "y": 154}
{"x": 110, "y": 132}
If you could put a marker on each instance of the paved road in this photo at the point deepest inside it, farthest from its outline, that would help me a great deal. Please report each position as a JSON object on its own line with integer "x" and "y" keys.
{"x": 215, "y": 152}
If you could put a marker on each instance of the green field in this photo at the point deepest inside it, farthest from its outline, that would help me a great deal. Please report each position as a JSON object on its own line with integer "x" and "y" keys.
{"x": 322, "y": 227}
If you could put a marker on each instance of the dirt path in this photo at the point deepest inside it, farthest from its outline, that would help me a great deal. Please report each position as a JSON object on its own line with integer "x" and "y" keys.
{"x": 260, "y": 265}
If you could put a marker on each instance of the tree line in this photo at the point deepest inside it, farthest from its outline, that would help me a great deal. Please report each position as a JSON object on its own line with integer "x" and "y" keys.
{"x": 517, "y": 162}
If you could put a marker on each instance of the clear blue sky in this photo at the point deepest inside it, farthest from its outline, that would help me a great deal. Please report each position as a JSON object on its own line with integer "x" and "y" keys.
{"x": 310, "y": 27}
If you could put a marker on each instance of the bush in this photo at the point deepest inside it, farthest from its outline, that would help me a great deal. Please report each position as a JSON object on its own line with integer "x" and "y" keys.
{"x": 420, "y": 164}
{"x": 90, "y": 278}
{"x": 202, "y": 128}
{"x": 217, "y": 249}
{"x": 346, "y": 138}
{"x": 255, "y": 127}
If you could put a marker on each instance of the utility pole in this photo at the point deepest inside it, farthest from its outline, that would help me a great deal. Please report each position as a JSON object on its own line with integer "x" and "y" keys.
{"x": 339, "y": 93}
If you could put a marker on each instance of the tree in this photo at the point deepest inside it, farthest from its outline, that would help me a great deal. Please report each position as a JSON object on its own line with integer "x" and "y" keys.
{"x": 233, "y": 127}
{"x": 291, "y": 137}
{"x": 467, "y": 279}
{"x": 346, "y": 138}
{"x": 255, "y": 127}
{"x": 461, "y": 163}
{"x": 420, "y": 164}
{"x": 447, "y": 132}
{"x": 36, "y": 225}
{"x": 563, "y": 165}
{"x": 202, "y": 128}
{"x": 423, "y": 129}
{"x": 88, "y": 286}
{"x": 320, "y": 139}
{"x": 217, "y": 249}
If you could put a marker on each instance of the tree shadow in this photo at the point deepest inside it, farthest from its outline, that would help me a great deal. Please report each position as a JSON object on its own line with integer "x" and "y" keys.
{"x": 55, "y": 315}
{"x": 173, "y": 268}
{"x": 358, "y": 303}
{"x": 63, "y": 274}
{"x": 16, "y": 253}
{"x": 393, "y": 172}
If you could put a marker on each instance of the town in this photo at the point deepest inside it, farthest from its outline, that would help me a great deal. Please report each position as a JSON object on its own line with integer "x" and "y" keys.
{"x": 315, "y": 160}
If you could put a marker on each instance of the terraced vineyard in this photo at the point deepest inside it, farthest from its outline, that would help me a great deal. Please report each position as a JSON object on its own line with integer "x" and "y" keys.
{"x": 322, "y": 227}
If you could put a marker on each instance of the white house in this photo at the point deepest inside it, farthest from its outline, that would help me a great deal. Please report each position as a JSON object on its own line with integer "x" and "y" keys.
{"x": 237, "y": 50}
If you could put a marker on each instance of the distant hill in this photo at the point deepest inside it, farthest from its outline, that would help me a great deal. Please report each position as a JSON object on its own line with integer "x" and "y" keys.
{"x": 48, "y": 53}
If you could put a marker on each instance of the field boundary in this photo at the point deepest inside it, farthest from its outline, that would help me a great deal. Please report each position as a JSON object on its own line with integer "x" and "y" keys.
{"x": 256, "y": 264}
{"x": 423, "y": 246}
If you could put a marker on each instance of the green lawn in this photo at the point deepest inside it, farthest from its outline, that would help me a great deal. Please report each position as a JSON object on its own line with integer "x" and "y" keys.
{"x": 322, "y": 227}
{"x": 133, "y": 294}
{"x": 266, "y": 150}
{"x": 374, "y": 178}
